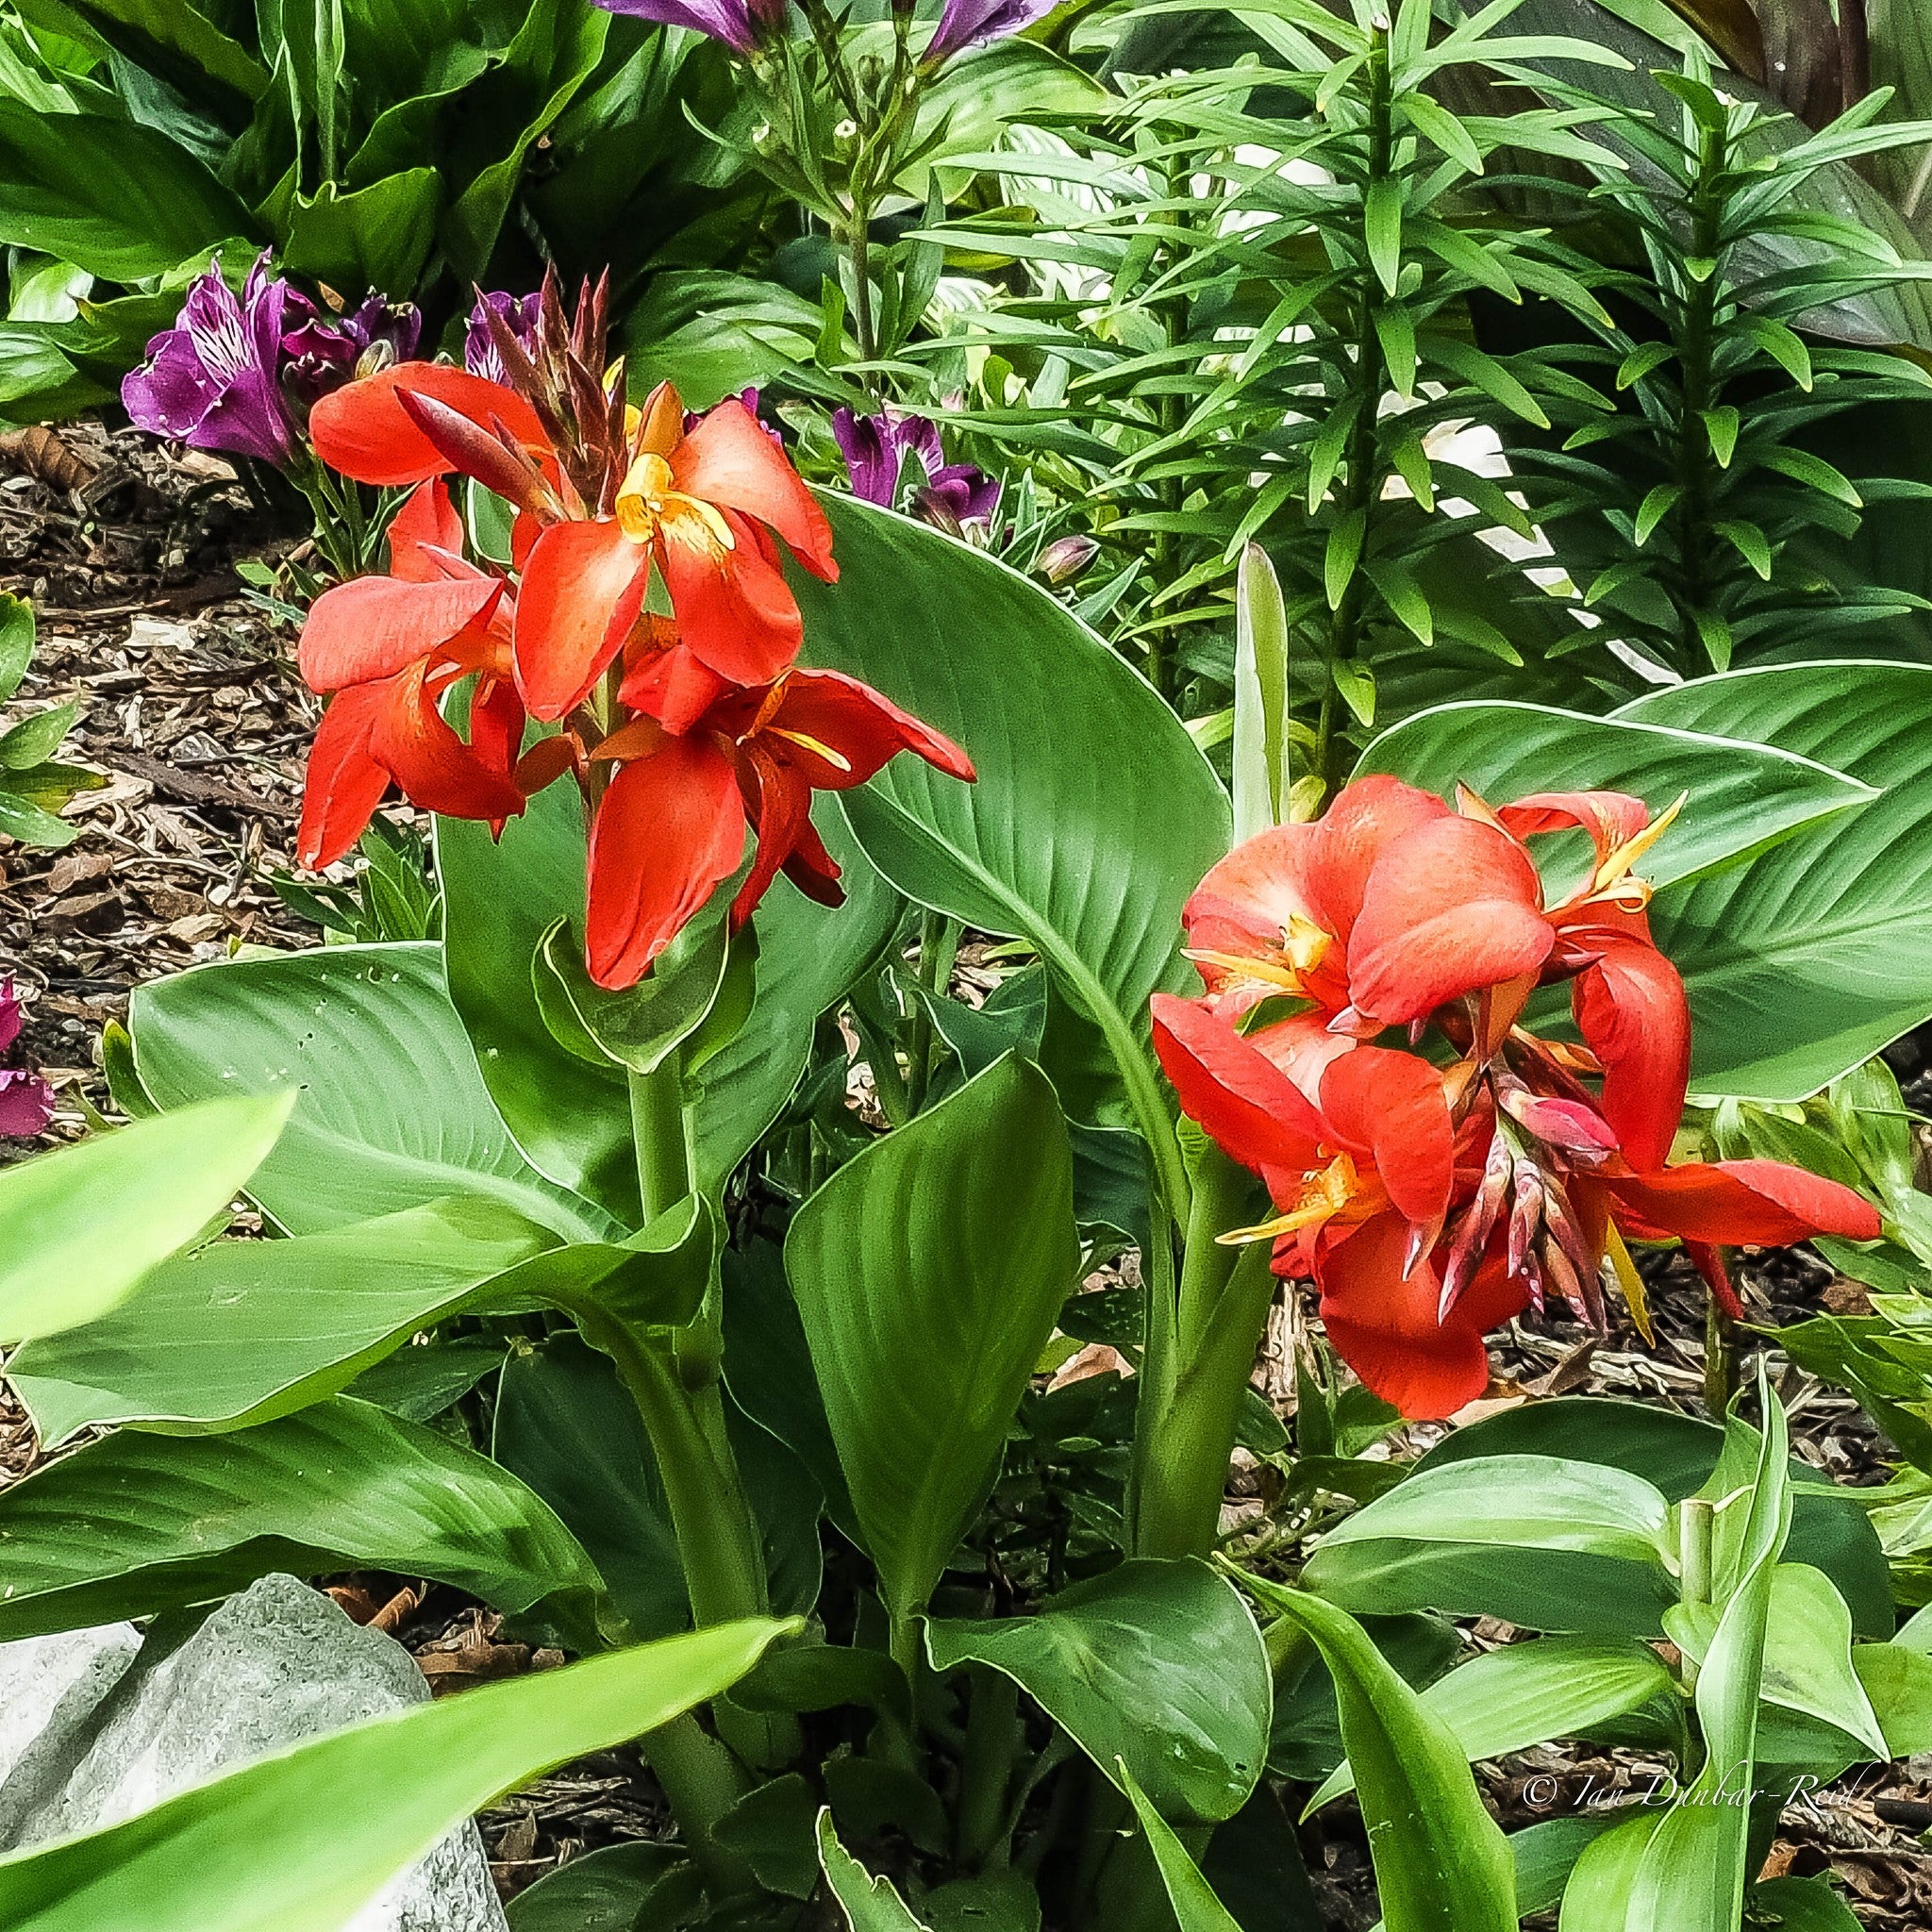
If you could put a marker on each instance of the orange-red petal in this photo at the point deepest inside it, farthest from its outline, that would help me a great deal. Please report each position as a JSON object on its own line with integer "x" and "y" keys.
{"x": 1390, "y": 1107}
{"x": 857, "y": 723}
{"x": 1251, "y": 1109}
{"x": 734, "y": 610}
{"x": 344, "y": 783}
{"x": 582, "y": 588}
{"x": 426, "y": 536}
{"x": 363, "y": 431}
{"x": 435, "y": 769}
{"x": 1727, "y": 1202}
{"x": 1452, "y": 906}
{"x": 1387, "y": 1330}
{"x": 668, "y": 830}
{"x": 374, "y": 628}
{"x": 730, "y": 460}
{"x": 1631, "y": 1011}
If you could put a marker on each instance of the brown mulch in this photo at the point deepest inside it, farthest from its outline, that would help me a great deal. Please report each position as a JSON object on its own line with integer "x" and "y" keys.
{"x": 193, "y": 713}
{"x": 196, "y": 719}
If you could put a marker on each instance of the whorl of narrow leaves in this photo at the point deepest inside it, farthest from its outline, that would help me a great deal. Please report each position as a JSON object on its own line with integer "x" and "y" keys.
{"x": 1699, "y": 521}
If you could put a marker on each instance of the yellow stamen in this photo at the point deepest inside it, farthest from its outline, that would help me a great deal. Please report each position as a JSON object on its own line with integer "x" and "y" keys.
{"x": 1629, "y": 1281}
{"x": 838, "y": 760}
{"x": 1618, "y": 864}
{"x": 1324, "y": 1197}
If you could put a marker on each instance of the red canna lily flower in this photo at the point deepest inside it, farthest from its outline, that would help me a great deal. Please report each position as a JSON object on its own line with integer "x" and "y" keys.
{"x": 700, "y": 508}
{"x": 671, "y": 827}
{"x": 610, "y": 501}
{"x": 1431, "y": 1200}
{"x": 650, "y": 617}
{"x": 388, "y": 648}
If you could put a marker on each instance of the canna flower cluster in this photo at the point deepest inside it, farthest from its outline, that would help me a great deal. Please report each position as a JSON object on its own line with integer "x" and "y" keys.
{"x": 647, "y": 618}
{"x": 1436, "y": 1187}
{"x": 240, "y": 373}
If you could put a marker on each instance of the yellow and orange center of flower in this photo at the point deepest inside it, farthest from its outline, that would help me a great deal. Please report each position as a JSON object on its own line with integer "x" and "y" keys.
{"x": 648, "y": 499}
{"x": 1324, "y": 1193}
{"x": 1302, "y": 947}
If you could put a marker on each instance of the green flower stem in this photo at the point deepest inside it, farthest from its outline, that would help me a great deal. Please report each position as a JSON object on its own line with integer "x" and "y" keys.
{"x": 1192, "y": 1387}
{"x": 994, "y": 1741}
{"x": 701, "y": 1781}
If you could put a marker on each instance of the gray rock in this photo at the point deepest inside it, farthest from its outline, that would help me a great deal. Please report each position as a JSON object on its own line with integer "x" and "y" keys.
{"x": 50, "y": 1689}
{"x": 271, "y": 1667}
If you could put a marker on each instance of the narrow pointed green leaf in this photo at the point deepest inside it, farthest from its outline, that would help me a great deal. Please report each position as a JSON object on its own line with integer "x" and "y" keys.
{"x": 81, "y": 1227}
{"x": 1259, "y": 764}
{"x": 1195, "y": 1907}
{"x": 274, "y": 1848}
{"x": 1441, "y": 1862}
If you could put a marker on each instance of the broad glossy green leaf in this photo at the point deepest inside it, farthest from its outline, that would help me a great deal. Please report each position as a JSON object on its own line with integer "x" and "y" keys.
{"x": 595, "y": 1891}
{"x": 566, "y": 1427}
{"x": 1155, "y": 1664}
{"x": 1898, "y": 1682}
{"x": 869, "y": 1904}
{"x": 1802, "y": 1905}
{"x": 81, "y": 1227}
{"x": 1195, "y": 1907}
{"x": 1094, "y": 817}
{"x": 392, "y": 1113}
{"x": 929, "y": 1274}
{"x": 378, "y": 236}
{"x": 116, "y": 198}
{"x": 1679, "y": 1455}
{"x": 1527, "y": 1693}
{"x": 139, "y": 1522}
{"x": 274, "y": 1845}
{"x": 244, "y": 1331}
{"x": 572, "y": 1118}
{"x": 1539, "y": 1541}
{"x": 1442, "y": 1863}
{"x": 1807, "y": 961}
{"x": 1742, "y": 798}
{"x": 1808, "y": 1657}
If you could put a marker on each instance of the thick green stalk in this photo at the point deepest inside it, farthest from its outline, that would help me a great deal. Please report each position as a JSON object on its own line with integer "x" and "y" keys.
{"x": 1191, "y": 1385}
{"x": 1195, "y": 1442}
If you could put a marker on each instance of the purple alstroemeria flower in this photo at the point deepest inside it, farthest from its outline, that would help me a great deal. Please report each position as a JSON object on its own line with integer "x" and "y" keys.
{"x": 214, "y": 379}
{"x": 743, "y": 25}
{"x": 965, "y": 22}
{"x": 520, "y": 311}
{"x": 27, "y": 1102}
{"x": 875, "y": 449}
{"x": 325, "y": 352}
